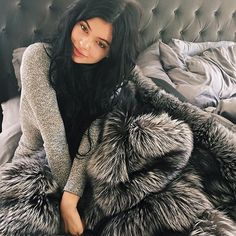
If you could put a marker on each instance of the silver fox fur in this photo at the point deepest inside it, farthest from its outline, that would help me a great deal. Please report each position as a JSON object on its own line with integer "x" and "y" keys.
{"x": 142, "y": 182}
{"x": 29, "y": 198}
{"x": 162, "y": 167}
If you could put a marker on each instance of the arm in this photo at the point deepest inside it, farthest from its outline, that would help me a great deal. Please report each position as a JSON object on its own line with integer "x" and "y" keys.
{"x": 41, "y": 121}
{"x": 42, "y": 125}
{"x": 69, "y": 202}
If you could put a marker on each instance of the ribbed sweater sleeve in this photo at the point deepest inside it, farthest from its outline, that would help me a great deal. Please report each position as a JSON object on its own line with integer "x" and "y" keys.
{"x": 42, "y": 125}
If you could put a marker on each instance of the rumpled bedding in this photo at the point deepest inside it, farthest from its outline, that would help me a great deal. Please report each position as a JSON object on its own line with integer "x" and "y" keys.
{"x": 204, "y": 79}
{"x": 204, "y": 73}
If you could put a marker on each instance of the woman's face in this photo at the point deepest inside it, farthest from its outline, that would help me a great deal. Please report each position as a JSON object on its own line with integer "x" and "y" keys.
{"x": 91, "y": 40}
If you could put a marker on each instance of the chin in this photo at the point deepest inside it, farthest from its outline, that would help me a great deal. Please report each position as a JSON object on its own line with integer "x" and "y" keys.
{"x": 79, "y": 60}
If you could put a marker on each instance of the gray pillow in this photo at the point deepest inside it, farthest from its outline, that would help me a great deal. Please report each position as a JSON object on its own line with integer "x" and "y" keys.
{"x": 169, "y": 57}
{"x": 11, "y": 130}
{"x": 16, "y": 62}
{"x": 150, "y": 65}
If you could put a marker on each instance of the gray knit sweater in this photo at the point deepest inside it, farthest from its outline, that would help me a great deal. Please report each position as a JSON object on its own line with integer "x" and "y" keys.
{"x": 42, "y": 125}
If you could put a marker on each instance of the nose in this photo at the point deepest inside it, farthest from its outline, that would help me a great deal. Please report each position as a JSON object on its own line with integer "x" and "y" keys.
{"x": 85, "y": 43}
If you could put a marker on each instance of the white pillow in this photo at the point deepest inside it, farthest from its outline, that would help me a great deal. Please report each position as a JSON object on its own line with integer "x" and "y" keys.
{"x": 10, "y": 112}
{"x": 185, "y": 48}
{"x": 16, "y": 62}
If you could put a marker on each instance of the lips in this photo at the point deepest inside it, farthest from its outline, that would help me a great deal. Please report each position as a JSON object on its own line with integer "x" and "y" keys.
{"x": 78, "y": 53}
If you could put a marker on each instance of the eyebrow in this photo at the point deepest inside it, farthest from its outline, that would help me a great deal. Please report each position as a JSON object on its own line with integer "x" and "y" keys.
{"x": 108, "y": 43}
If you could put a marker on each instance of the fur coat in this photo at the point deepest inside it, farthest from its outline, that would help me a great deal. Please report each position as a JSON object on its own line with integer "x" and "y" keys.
{"x": 161, "y": 167}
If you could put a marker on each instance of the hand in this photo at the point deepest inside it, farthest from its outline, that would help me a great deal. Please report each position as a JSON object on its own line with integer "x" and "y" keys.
{"x": 70, "y": 215}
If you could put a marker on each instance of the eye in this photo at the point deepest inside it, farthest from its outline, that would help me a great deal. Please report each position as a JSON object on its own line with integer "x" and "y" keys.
{"x": 84, "y": 27}
{"x": 101, "y": 45}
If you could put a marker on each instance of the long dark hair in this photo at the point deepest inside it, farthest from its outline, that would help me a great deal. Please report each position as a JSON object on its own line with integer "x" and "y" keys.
{"x": 85, "y": 92}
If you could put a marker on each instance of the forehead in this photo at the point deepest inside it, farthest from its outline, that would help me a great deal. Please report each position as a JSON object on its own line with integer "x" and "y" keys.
{"x": 100, "y": 28}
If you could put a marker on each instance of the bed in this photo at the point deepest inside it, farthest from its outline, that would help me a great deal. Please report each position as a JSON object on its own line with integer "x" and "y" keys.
{"x": 187, "y": 48}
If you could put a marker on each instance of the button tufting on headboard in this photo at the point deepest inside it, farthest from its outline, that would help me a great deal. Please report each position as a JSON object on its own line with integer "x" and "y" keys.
{"x": 25, "y": 21}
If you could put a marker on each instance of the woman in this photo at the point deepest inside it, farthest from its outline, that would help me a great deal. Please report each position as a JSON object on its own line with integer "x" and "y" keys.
{"x": 71, "y": 81}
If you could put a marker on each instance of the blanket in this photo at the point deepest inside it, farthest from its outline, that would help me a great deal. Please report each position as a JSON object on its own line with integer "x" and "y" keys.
{"x": 162, "y": 167}
{"x": 29, "y": 198}
{"x": 205, "y": 79}
{"x": 154, "y": 174}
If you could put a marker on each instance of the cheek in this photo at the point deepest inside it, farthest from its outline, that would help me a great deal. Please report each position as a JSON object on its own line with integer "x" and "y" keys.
{"x": 98, "y": 54}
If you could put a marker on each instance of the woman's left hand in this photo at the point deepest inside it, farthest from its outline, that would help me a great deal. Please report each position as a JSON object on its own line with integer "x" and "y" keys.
{"x": 70, "y": 215}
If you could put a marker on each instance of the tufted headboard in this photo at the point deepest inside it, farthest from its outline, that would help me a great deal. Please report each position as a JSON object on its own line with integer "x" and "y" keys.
{"x": 190, "y": 20}
{"x": 24, "y": 21}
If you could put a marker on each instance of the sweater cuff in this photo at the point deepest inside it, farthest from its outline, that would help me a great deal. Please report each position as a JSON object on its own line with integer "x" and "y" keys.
{"x": 77, "y": 178}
